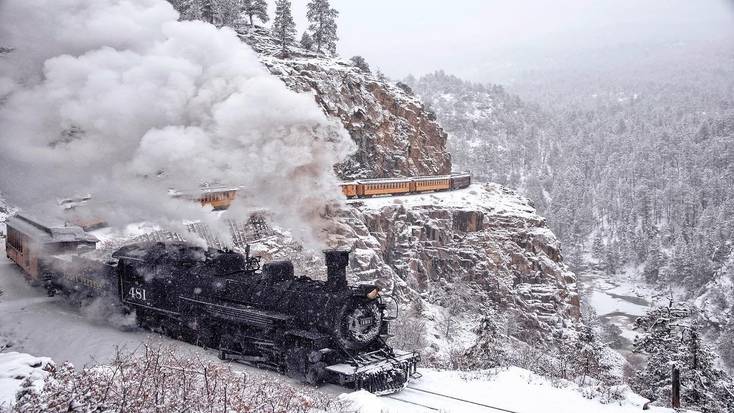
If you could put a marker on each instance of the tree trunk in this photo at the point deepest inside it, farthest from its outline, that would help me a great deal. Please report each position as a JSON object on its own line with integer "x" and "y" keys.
{"x": 675, "y": 403}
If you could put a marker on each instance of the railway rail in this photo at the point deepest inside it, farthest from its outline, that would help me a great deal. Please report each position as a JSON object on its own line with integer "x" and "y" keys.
{"x": 423, "y": 404}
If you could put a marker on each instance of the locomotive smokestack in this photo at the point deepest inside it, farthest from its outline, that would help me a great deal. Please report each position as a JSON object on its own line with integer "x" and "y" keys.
{"x": 336, "y": 266}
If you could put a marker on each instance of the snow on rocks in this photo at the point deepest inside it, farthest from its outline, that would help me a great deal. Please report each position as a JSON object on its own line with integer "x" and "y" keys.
{"x": 396, "y": 135}
{"x": 15, "y": 368}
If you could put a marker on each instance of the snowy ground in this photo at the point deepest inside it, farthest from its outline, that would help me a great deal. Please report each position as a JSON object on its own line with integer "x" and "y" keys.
{"x": 14, "y": 369}
{"x": 511, "y": 389}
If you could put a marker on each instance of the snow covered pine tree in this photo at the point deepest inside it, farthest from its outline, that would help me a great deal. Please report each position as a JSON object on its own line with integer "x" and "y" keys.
{"x": 670, "y": 338}
{"x": 207, "y": 8}
{"x": 306, "y": 41}
{"x": 284, "y": 28}
{"x": 255, "y": 8}
{"x": 228, "y": 12}
{"x": 322, "y": 19}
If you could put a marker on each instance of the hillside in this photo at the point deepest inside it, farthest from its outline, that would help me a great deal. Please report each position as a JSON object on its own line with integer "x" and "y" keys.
{"x": 394, "y": 133}
{"x": 635, "y": 178}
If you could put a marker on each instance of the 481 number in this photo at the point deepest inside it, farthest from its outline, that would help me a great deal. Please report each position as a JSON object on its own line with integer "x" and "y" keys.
{"x": 137, "y": 293}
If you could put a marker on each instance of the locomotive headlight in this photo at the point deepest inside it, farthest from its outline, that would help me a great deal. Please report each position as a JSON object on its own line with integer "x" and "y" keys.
{"x": 373, "y": 294}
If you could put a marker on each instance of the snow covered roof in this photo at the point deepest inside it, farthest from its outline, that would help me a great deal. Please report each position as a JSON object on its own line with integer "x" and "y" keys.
{"x": 44, "y": 233}
{"x": 203, "y": 190}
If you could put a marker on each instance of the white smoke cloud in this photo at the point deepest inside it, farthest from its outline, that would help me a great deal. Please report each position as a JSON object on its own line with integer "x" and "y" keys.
{"x": 118, "y": 98}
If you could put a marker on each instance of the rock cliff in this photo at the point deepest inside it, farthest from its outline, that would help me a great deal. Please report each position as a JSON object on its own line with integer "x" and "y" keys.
{"x": 455, "y": 258}
{"x": 395, "y": 134}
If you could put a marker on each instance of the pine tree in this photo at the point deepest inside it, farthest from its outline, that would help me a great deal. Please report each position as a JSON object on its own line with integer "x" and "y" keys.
{"x": 306, "y": 41}
{"x": 323, "y": 25}
{"x": 670, "y": 338}
{"x": 682, "y": 264}
{"x": 284, "y": 28}
{"x": 654, "y": 261}
{"x": 598, "y": 246}
{"x": 612, "y": 257}
{"x": 207, "y": 10}
{"x": 256, "y": 8}
{"x": 188, "y": 9}
{"x": 228, "y": 12}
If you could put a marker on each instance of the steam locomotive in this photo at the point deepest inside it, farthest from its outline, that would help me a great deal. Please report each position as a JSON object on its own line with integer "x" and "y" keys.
{"x": 319, "y": 331}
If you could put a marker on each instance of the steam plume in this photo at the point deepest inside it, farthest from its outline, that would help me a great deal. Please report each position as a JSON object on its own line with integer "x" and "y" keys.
{"x": 118, "y": 98}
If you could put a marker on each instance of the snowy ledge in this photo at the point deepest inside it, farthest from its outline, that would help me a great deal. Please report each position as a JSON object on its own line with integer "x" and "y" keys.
{"x": 491, "y": 198}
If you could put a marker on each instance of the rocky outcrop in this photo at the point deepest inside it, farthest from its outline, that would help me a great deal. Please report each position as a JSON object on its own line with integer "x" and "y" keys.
{"x": 394, "y": 133}
{"x": 475, "y": 252}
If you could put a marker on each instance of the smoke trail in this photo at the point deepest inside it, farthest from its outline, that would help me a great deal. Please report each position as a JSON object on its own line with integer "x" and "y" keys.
{"x": 120, "y": 99}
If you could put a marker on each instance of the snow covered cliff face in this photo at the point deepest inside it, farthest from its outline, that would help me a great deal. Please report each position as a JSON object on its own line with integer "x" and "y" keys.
{"x": 462, "y": 256}
{"x": 395, "y": 134}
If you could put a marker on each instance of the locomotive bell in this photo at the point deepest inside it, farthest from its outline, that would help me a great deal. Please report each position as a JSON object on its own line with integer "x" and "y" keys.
{"x": 336, "y": 269}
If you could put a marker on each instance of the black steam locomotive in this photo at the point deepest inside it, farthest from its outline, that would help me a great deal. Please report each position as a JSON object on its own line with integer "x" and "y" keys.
{"x": 320, "y": 331}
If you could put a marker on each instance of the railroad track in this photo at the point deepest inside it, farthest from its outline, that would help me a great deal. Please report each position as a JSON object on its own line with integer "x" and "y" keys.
{"x": 427, "y": 405}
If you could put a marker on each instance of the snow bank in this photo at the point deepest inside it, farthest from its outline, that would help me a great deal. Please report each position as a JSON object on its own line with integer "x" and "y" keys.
{"x": 513, "y": 389}
{"x": 17, "y": 367}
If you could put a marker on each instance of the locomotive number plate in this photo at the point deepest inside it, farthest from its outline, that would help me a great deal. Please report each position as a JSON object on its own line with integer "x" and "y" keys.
{"x": 137, "y": 293}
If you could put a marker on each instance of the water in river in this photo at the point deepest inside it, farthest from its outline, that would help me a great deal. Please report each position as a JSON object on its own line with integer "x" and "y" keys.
{"x": 618, "y": 300}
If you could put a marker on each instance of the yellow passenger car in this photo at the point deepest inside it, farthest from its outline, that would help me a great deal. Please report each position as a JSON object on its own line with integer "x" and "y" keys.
{"x": 383, "y": 187}
{"x": 349, "y": 189}
{"x": 432, "y": 183}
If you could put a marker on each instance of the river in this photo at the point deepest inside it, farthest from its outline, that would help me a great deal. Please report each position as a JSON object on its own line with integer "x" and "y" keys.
{"x": 617, "y": 300}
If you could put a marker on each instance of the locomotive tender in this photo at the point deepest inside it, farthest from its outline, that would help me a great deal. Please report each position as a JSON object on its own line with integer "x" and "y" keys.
{"x": 319, "y": 331}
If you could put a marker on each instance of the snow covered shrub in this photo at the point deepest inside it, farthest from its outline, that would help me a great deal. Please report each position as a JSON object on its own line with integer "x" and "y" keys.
{"x": 604, "y": 393}
{"x": 490, "y": 349}
{"x": 156, "y": 379}
{"x": 361, "y": 63}
{"x": 405, "y": 88}
{"x": 409, "y": 333}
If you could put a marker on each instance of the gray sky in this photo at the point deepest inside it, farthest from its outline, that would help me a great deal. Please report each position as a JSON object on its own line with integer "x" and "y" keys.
{"x": 490, "y": 40}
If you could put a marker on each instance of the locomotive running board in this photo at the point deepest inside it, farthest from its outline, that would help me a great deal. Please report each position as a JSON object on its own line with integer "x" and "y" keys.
{"x": 377, "y": 372}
